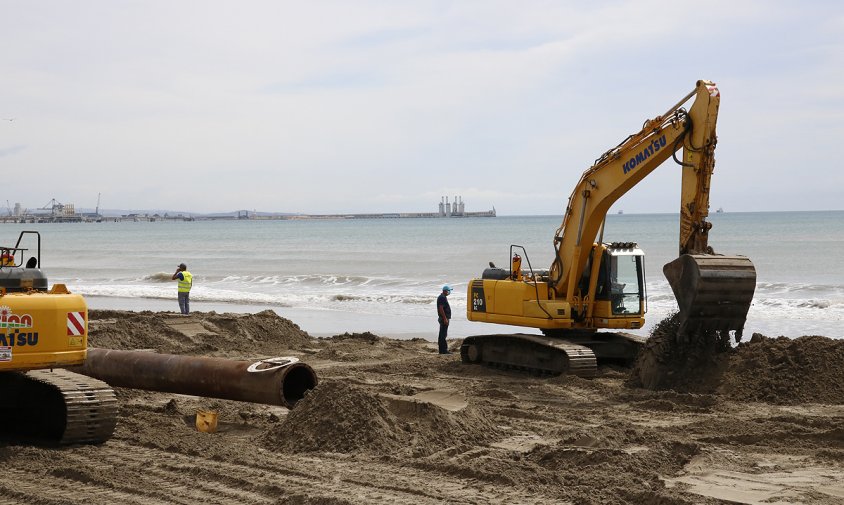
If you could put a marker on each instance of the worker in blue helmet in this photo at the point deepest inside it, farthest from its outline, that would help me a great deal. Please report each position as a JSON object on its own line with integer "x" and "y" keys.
{"x": 443, "y": 316}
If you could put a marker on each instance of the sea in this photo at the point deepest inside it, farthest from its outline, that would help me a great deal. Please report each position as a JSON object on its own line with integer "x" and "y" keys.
{"x": 333, "y": 276}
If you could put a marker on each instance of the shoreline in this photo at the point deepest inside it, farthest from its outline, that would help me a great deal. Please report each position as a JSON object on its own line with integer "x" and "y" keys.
{"x": 319, "y": 322}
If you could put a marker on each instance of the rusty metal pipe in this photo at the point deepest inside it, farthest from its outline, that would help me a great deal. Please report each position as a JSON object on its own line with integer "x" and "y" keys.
{"x": 276, "y": 381}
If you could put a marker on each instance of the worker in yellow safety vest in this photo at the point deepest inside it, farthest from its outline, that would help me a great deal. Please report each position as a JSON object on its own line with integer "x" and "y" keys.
{"x": 185, "y": 279}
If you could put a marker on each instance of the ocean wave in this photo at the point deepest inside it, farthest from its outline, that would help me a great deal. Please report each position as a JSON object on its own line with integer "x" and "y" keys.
{"x": 197, "y": 294}
{"x": 286, "y": 298}
{"x": 661, "y": 297}
{"x": 157, "y": 277}
{"x": 315, "y": 280}
{"x": 799, "y": 303}
{"x": 345, "y": 298}
{"x": 794, "y": 288}
{"x": 382, "y": 299}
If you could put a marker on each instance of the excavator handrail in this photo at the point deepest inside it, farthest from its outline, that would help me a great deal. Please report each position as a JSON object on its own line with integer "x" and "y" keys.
{"x": 38, "y": 242}
{"x": 532, "y": 275}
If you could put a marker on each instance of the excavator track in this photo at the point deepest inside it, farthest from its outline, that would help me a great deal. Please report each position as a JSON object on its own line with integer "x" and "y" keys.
{"x": 57, "y": 406}
{"x": 532, "y": 353}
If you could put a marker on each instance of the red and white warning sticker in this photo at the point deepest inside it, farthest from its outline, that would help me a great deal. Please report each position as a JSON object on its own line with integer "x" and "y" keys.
{"x": 713, "y": 90}
{"x": 75, "y": 323}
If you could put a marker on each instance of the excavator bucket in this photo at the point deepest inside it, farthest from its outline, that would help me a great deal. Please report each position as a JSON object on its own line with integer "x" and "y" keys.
{"x": 713, "y": 292}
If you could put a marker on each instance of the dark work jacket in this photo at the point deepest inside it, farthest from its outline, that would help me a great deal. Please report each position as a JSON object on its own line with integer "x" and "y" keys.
{"x": 442, "y": 300}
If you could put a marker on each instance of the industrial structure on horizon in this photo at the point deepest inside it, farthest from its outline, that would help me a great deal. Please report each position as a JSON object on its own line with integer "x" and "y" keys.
{"x": 57, "y": 212}
{"x": 456, "y": 209}
{"x": 446, "y": 209}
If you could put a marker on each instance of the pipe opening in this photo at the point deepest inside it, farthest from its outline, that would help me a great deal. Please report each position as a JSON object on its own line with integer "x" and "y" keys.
{"x": 297, "y": 381}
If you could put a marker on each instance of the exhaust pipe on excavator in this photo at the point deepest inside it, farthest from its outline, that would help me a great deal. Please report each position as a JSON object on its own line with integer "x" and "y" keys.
{"x": 713, "y": 292}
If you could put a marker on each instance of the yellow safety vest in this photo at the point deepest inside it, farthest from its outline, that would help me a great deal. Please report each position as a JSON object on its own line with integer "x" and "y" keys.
{"x": 185, "y": 284}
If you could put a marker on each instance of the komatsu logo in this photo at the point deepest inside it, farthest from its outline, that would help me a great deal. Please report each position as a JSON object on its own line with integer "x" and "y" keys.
{"x": 8, "y": 320}
{"x": 13, "y": 328}
{"x": 644, "y": 154}
{"x": 18, "y": 338}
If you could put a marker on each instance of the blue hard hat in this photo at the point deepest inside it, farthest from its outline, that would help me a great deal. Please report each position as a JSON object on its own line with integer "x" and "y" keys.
{"x": 447, "y": 288}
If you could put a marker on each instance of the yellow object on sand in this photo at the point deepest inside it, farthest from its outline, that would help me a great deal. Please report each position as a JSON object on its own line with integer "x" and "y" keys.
{"x": 206, "y": 421}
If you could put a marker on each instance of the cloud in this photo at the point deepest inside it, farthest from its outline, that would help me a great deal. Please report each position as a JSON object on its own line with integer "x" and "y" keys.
{"x": 10, "y": 151}
{"x": 330, "y": 106}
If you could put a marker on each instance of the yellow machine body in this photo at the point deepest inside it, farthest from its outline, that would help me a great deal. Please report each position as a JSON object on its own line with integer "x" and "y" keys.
{"x": 42, "y": 330}
{"x": 516, "y": 304}
{"x": 529, "y": 299}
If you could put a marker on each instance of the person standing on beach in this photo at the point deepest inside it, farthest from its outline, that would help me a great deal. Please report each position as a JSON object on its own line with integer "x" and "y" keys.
{"x": 185, "y": 279}
{"x": 444, "y": 314}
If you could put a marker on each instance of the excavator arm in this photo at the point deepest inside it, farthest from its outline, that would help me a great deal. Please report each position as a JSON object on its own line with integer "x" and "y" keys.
{"x": 713, "y": 291}
{"x": 621, "y": 168}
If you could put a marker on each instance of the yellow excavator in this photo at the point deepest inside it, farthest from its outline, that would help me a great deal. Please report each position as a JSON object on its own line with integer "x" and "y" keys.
{"x": 42, "y": 331}
{"x": 592, "y": 285}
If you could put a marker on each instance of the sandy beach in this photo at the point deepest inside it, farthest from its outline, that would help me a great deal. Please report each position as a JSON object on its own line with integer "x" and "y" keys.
{"x": 391, "y": 421}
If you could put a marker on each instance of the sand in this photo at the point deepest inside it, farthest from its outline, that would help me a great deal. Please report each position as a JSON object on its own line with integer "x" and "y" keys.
{"x": 392, "y": 421}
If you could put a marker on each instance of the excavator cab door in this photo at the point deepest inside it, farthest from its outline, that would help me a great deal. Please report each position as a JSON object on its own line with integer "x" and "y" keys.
{"x": 624, "y": 282}
{"x": 620, "y": 290}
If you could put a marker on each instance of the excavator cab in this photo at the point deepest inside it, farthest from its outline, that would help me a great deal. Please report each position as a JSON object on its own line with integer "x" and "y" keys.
{"x": 621, "y": 280}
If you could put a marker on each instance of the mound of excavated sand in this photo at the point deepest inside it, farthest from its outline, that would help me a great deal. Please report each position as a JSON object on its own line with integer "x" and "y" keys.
{"x": 338, "y": 417}
{"x": 773, "y": 370}
{"x": 199, "y": 333}
{"x": 359, "y": 347}
{"x": 786, "y": 371}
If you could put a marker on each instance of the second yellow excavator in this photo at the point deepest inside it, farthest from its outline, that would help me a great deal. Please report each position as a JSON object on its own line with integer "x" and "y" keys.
{"x": 41, "y": 332}
{"x": 592, "y": 285}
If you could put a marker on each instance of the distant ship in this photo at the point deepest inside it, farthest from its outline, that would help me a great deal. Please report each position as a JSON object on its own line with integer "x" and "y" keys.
{"x": 720, "y": 210}
{"x": 621, "y": 212}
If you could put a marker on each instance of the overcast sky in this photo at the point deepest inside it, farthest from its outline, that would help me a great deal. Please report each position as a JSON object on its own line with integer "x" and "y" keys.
{"x": 385, "y": 106}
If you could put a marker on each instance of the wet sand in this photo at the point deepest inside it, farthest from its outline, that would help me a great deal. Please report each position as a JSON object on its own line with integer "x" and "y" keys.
{"x": 394, "y": 422}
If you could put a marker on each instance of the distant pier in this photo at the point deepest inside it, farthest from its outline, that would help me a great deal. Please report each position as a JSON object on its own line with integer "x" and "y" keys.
{"x": 65, "y": 213}
{"x": 388, "y": 215}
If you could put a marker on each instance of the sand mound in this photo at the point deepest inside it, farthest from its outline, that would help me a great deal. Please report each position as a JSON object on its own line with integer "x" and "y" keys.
{"x": 786, "y": 371}
{"x": 780, "y": 371}
{"x": 112, "y": 329}
{"x": 360, "y": 347}
{"x": 338, "y": 417}
{"x": 200, "y": 333}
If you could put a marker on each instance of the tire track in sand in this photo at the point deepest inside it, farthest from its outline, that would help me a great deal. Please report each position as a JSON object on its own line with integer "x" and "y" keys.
{"x": 150, "y": 476}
